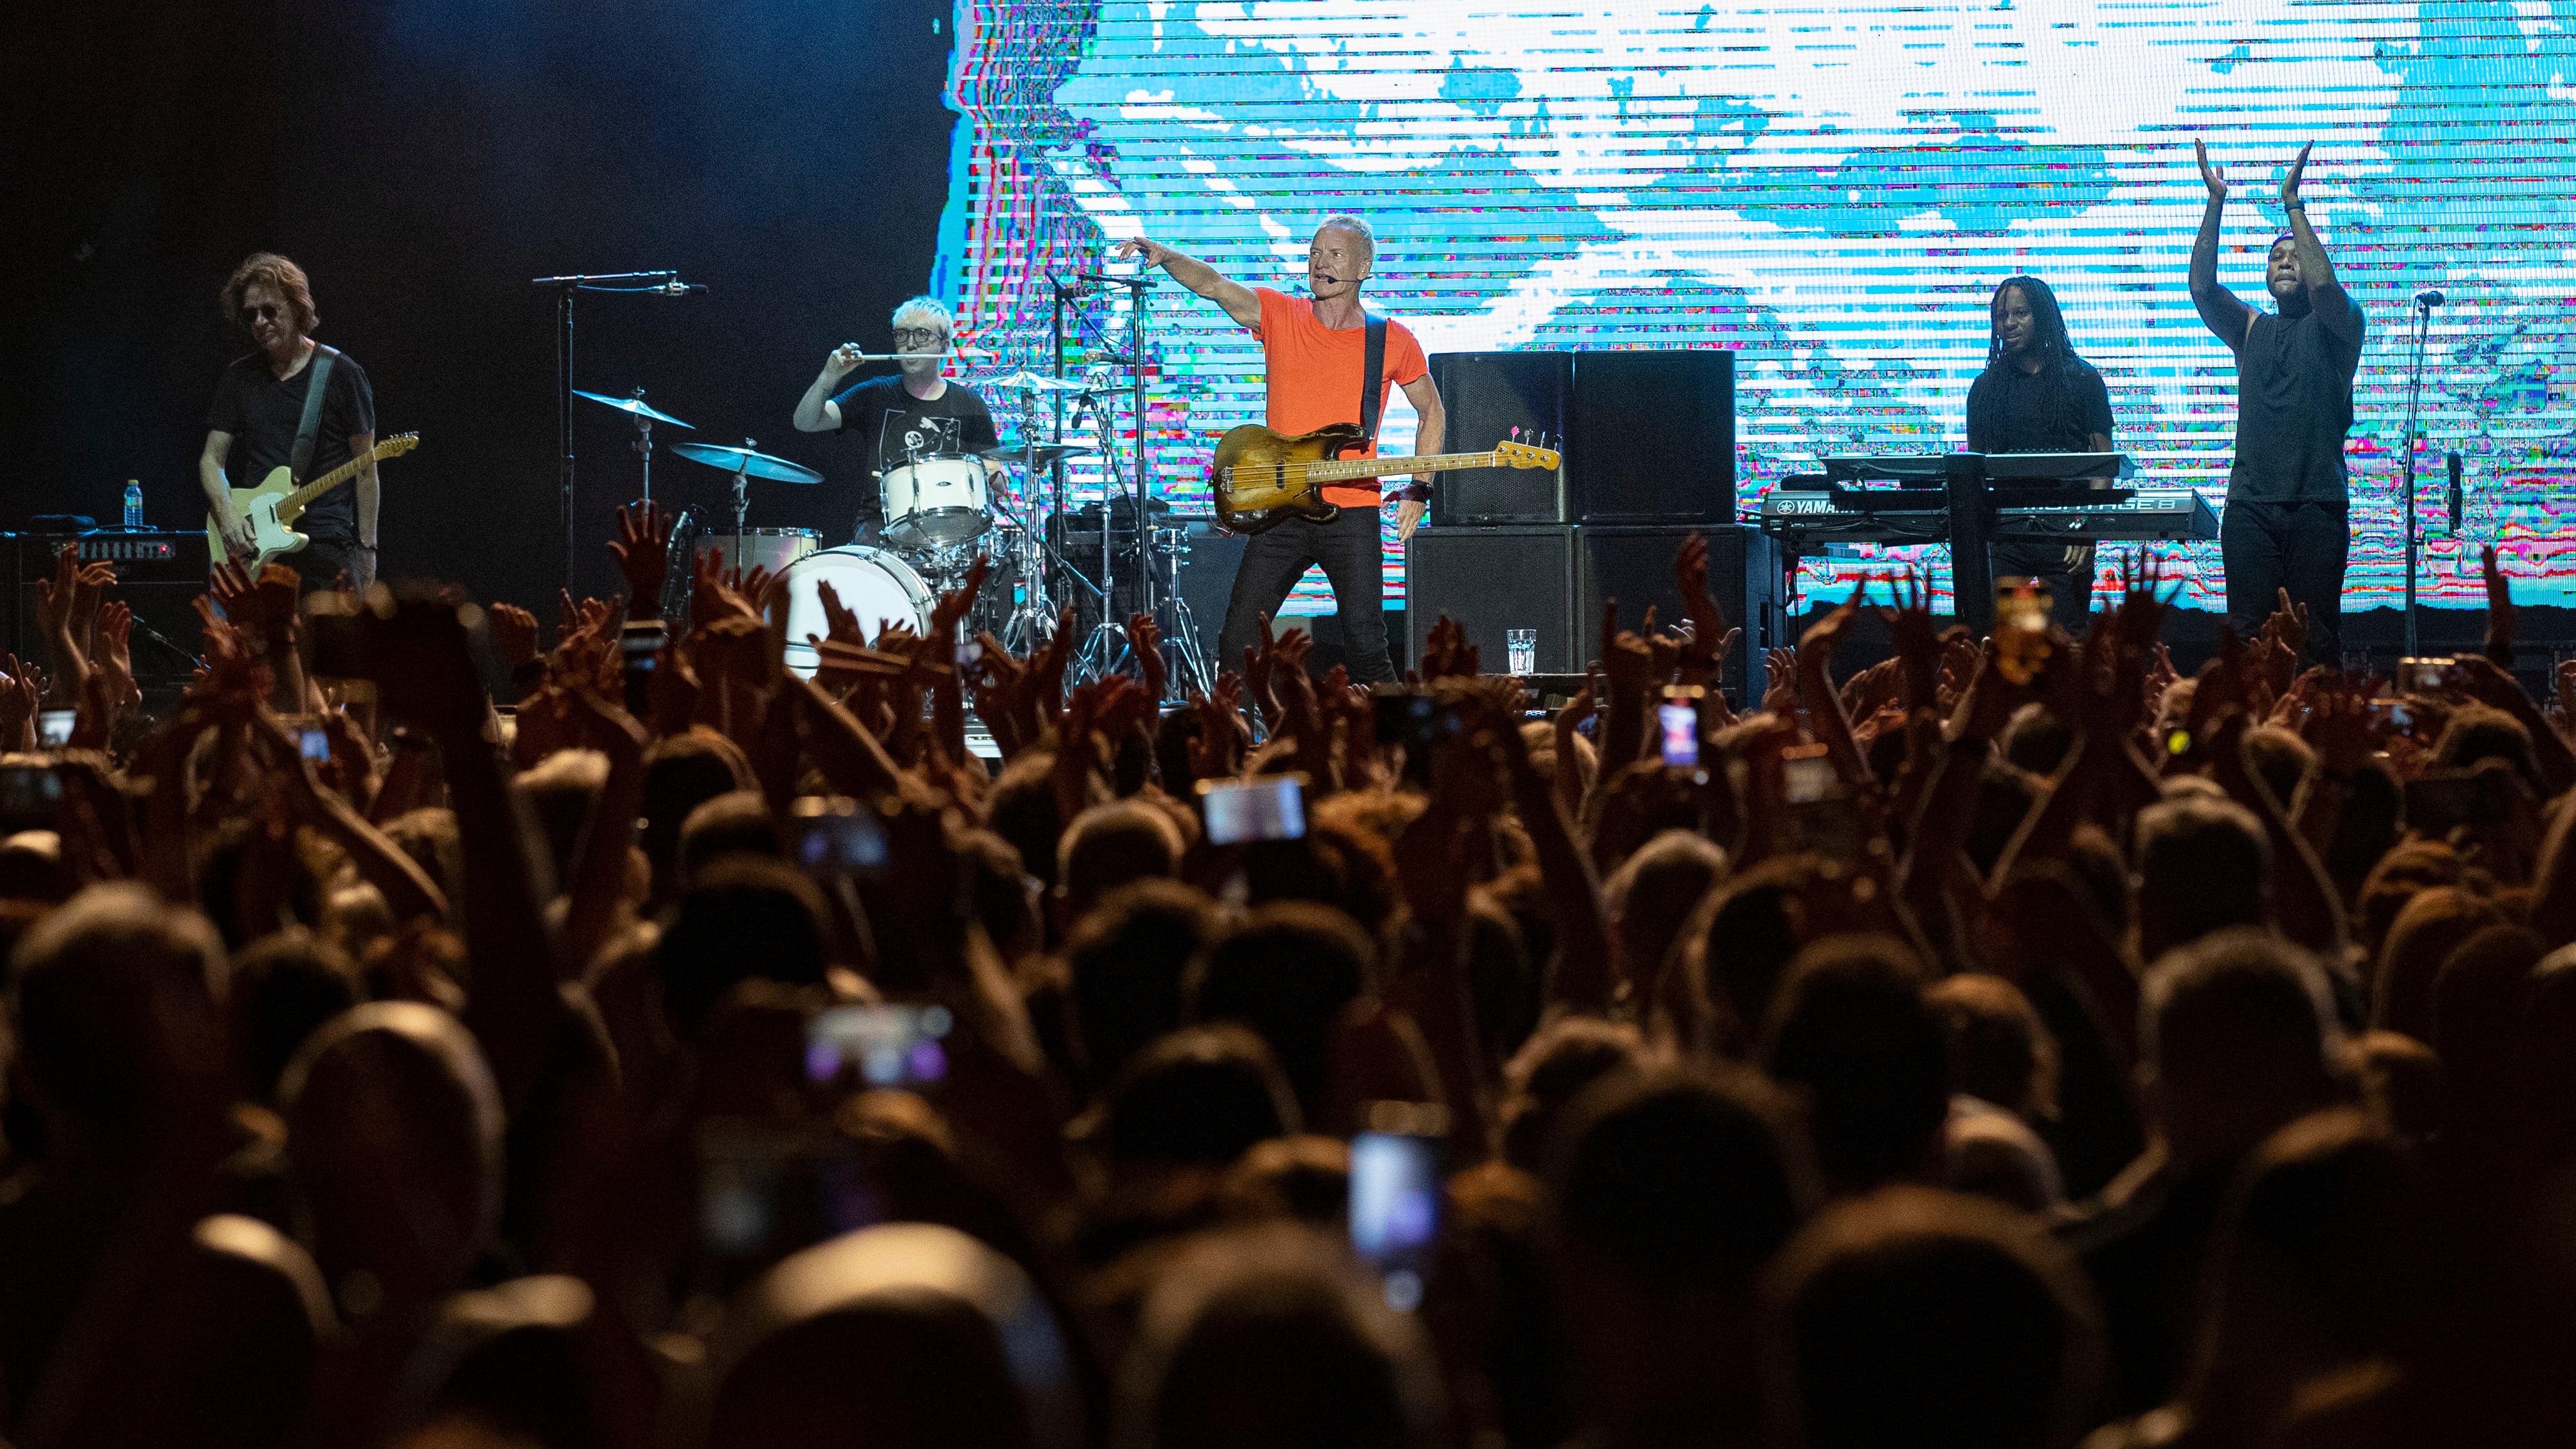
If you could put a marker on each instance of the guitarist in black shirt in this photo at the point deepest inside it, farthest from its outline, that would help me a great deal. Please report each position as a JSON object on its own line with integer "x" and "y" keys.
{"x": 259, "y": 410}
{"x": 2037, "y": 396}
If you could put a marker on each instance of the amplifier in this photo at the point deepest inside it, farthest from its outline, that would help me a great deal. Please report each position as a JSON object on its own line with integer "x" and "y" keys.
{"x": 1634, "y": 565}
{"x": 158, "y": 575}
{"x": 1651, "y": 437}
{"x": 1493, "y": 580}
{"x": 1494, "y": 397}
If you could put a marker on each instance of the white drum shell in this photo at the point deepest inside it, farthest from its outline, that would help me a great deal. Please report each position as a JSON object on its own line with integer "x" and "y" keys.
{"x": 872, "y": 583}
{"x": 936, "y": 502}
{"x": 770, "y": 548}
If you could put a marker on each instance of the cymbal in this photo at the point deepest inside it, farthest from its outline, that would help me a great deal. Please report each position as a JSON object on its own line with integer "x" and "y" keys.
{"x": 1027, "y": 381}
{"x": 745, "y": 461}
{"x": 1045, "y": 455}
{"x": 633, "y": 405}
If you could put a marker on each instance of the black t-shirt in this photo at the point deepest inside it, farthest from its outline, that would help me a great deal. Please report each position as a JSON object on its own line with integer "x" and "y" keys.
{"x": 2051, "y": 411}
{"x": 262, "y": 414}
{"x": 898, "y": 427}
{"x": 2294, "y": 404}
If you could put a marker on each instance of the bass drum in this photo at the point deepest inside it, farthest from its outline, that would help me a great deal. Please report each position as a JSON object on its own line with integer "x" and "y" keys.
{"x": 770, "y": 548}
{"x": 872, "y": 583}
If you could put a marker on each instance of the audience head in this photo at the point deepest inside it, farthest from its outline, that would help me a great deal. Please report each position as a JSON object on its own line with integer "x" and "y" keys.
{"x": 1198, "y": 1097}
{"x": 1550, "y": 1070}
{"x": 741, "y": 919}
{"x": 903, "y": 1336}
{"x": 396, "y": 1138}
{"x": 283, "y": 988}
{"x": 2479, "y": 732}
{"x": 115, "y": 1015}
{"x": 737, "y": 822}
{"x": 2202, "y": 867}
{"x": 2237, "y": 1036}
{"x": 1269, "y": 1337}
{"x": 1129, "y": 958}
{"x": 1851, "y": 1033}
{"x": 2280, "y": 759}
{"x": 1918, "y": 1317}
{"x": 681, "y": 773}
{"x": 1111, "y": 845}
{"x": 1653, "y": 894}
{"x": 1996, "y": 1047}
{"x": 559, "y": 791}
{"x": 2410, "y": 961}
{"x": 1287, "y": 971}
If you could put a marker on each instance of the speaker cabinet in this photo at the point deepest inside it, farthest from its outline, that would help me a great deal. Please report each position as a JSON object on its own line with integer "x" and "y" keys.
{"x": 1651, "y": 438}
{"x": 158, "y": 574}
{"x": 1493, "y": 580}
{"x": 1634, "y": 565}
{"x": 1489, "y": 396}
{"x": 1205, "y": 581}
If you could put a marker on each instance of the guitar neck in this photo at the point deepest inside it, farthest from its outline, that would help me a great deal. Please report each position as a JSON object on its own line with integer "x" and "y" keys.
{"x": 294, "y": 503}
{"x": 1336, "y": 469}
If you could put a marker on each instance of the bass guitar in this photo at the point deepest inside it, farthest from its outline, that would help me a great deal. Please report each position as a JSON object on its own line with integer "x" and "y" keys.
{"x": 272, "y": 507}
{"x": 1261, "y": 479}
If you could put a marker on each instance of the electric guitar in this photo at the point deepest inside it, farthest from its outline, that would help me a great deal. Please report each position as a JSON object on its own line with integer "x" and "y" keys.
{"x": 1261, "y": 479}
{"x": 271, "y": 508}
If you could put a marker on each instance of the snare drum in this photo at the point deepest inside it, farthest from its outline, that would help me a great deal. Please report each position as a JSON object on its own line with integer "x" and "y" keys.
{"x": 770, "y": 548}
{"x": 936, "y": 502}
{"x": 870, "y": 582}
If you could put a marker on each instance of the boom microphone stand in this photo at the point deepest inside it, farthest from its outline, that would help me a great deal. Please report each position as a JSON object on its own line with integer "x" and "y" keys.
{"x": 667, "y": 283}
{"x": 2425, "y": 302}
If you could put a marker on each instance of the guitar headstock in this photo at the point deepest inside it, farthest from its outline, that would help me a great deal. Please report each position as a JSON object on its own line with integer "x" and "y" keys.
{"x": 1523, "y": 455}
{"x": 397, "y": 445}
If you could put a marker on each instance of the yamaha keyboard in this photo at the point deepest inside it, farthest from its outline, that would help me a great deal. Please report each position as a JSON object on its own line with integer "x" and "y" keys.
{"x": 1806, "y": 518}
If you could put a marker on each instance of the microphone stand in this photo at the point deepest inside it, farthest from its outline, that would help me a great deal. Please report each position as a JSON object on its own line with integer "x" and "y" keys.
{"x": 2414, "y": 393}
{"x": 564, "y": 287}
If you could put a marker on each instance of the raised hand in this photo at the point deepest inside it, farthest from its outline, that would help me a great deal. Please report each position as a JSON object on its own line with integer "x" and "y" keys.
{"x": 1153, "y": 252}
{"x": 2499, "y": 640}
{"x": 514, "y": 634}
{"x": 1918, "y": 644}
{"x": 643, "y": 550}
{"x": 1145, "y": 640}
{"x": 2290, "y": 178}
{"x": 2210, "y": 175}
{"x": 1780, "y": 681}
{"x": 954, "y": 605}
{"x": 18, "y": 702}
{"x": 115, "y": 658}
{"x": 1216, "y": 753}
{"x": 1627, "y": 662}
{"x": 1710, "y": 639}
{"x": 1257, "y": 662}
{"x": 2288, "y": 625}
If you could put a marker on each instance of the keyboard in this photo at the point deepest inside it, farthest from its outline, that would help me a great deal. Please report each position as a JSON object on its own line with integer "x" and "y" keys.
{"x": 1929, "y": 469}
{"x": 1804, "y": 517}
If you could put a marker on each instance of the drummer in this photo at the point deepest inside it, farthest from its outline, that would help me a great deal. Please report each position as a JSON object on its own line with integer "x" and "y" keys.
{"x": 914, "y": 414}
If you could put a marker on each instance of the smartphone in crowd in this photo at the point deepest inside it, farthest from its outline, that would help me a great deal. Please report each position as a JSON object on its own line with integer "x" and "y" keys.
{"x": 767, "y": 1188}
{"x": 314, "y": 745}
{"x": 1679, "y": 717}
{"x": 1395, "y": 1194}
{"x": 1821, "y": 811}
{"x": 2424, "y": 675}
{"x": 54, "y": 727}
{"x": 879, "y": 1044}
{"x": 2021, "y": 629}
{"x": 28, "y": 795}
{"x": 837, "y": 836}
{"x": 2444, "y": 800}
{"x": 1266, "y": 807}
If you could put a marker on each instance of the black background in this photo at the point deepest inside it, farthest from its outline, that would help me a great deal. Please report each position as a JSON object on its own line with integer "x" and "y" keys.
{"x": 423, "y": 160}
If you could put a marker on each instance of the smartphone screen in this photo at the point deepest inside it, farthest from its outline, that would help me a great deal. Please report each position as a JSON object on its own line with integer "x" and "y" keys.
{"x": 2423, "y": 675}
{"x": 1272, "y": 807}
{"x": 1395, "y": 1209}
{"x": 54, "y": 727}
{"x": 881, "y": 1045}
{"x": 767, "y": 1189}
{"x": 835, "y": 835}
{"x": 1807, "y": 776}
{"x": 28, "y": 794}
{"x": 313, "y": 745}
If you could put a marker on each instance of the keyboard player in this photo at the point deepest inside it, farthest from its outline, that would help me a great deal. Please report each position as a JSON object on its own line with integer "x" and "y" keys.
{"x": 2037, "y": 396}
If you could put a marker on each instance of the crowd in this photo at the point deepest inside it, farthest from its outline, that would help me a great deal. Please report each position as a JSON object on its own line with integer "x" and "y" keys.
{"x": 2010, "y": 1044}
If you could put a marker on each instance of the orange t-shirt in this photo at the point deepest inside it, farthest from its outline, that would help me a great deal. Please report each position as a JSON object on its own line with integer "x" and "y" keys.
{"x": 1315, "y": 375}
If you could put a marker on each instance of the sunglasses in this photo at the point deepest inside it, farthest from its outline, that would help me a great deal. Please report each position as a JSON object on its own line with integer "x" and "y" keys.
{"x": 266, "y": 312}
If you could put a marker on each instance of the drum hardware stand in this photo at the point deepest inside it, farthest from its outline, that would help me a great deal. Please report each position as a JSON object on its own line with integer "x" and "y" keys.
{"x": 1192, "y": 674}
{"x": 741, "y": 501}
{"x": 665, "y": 282}
{"x": 680, "y": 570}
{"x": 644, "y": 445}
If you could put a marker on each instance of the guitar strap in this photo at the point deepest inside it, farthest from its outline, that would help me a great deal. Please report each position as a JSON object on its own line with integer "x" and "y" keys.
{"x": 299, "y": 462}
{"x": 1373, "y": 378}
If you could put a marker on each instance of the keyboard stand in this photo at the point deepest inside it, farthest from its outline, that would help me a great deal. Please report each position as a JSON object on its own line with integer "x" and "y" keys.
{"x": 1972, "y": 569}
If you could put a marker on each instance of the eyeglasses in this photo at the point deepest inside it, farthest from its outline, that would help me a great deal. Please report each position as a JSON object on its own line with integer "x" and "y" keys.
{"x": 918, "y": 336}
{"x": 265, "y": 312}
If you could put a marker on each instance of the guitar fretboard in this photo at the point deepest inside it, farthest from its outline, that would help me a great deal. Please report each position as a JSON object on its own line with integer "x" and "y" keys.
{"x": 293, "y": 503}
{"x": 1336, "y": 469}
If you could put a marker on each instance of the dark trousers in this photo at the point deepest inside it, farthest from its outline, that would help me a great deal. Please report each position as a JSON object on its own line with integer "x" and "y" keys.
{"x": 2300, "y": 547}
{"x": 2067, "y": 570}
{"x": 1352, "y": 557}
{"x": 321, "y": 562}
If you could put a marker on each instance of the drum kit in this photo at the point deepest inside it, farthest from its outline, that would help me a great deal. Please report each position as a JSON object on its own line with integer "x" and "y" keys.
{"x": 940, "y": 513}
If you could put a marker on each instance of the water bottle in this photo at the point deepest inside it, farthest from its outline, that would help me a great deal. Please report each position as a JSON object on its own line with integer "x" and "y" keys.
{"x": 134, "y": 503}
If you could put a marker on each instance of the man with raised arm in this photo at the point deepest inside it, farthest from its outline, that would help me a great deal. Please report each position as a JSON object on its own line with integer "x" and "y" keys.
{"x": 2287, "y": 524}
{"x": 1313, "y": 353}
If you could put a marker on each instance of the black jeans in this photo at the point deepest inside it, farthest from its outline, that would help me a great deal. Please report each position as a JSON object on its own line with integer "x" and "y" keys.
{"x": 322, "y": 561}
{"x": 1353, "y": 560}
{"x": 2067, "y": 570}
{"x": 2300, "y": 547}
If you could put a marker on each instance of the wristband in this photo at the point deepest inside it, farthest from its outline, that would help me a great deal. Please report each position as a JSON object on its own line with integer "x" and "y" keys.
{"x": 1414, "y": 493}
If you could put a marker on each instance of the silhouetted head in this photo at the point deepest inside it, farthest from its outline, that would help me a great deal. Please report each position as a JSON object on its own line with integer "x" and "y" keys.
{"x": 1286, "y": 972}
{"x": 2410, "y": 960}
{"x": 1128, "y": 959}
{"x": 681, "y": 773}
{"x": 1653, "y": 893}
{"x": 741, "y": 919}
{"x": 284, "y": 986}
{"x": 1111, "y": 845}
{"x": 1850, "y": 1031}
{"x": 1271, "y": 1338}
{"x": 1918, "y": 1317}
{"x": 1199, "y": 1096}
{"x": 1550, "y": 1070}
{"x": 2237, "y": 1037}
{"x": 1995, "y": 1044}
{"x": 904, "y": 1336}
{"x": 2202, "y": 867}
{"x": 116, "y": 1014}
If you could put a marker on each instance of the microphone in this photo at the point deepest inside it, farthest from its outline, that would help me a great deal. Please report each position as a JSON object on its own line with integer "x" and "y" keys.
{"x": 1106, "y": 280}
{"x": 1103, "y": 354}
{"x": 677, "y": 288}
{"x": 2451, "y": 461}
{"x": 2428, "y": 298}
